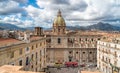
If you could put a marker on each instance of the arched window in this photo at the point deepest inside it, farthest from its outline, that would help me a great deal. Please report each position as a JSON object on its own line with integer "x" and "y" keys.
{"x": 20, "y": 62}
{"x": 59, "y": 40}
{"x": 27, "y": 60}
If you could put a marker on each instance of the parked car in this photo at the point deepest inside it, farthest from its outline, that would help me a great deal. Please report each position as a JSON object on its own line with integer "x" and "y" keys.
{"x": 71, "y": 64}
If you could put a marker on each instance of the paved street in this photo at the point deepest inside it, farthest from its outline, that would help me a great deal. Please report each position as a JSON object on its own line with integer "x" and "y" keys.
{"x": 63, "y": 70}
{"x": 72, "y": 69}
{"x": 90, "y": 72}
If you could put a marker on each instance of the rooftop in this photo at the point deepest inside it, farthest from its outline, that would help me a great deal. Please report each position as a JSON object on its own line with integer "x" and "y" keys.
{"x": 10, "y": 41}
{"x": 111, "y": 37}
{"x": 14, "y": 69}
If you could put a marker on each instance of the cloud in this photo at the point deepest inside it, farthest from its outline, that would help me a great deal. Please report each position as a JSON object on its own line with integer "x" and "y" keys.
{"x": 80, "y": 12}
{"x": 50, "y": 8}
{"x": 10, "y": 7}
{"x": 60, "y": 2}
{"x": 32, "y": 11}
{"x": 19, "y": 1}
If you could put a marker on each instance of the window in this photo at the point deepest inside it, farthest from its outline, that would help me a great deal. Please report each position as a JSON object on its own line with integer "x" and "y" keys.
{"x": 92, "y": 39}
{"x": 12, "y": 55}
{"x": 49, "y": 40}
{"x": 20, "y": 51}
{"x": 76, "y": 52}
{"x": 27, "y": 60}
{"x": 70, "y": 60}
{"x": 40, "y": 53}
{"x": 32, "y": 56}
{"x": 70, "y": 52}
{"x": 36, "y": 45}
{"x": 32, "y": 47}
{"x": 31, "y": 66}
{"x": 59, "y": 40}
{"x": 98, "y": 38}
{"x": 20, "y": 62}
{"x": 36, "y": 55}
{"x": 90, "y": 52}
{"x": 83, "y": 52}
{"x": 27, "y": 49}
{"x": 79, "y": 39}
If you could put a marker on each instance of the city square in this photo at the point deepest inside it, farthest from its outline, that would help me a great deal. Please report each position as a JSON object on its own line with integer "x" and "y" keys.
{"x": 59, "y": 36}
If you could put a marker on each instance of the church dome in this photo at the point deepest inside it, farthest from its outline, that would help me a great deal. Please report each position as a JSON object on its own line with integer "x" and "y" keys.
{"x": 59, "y": 20}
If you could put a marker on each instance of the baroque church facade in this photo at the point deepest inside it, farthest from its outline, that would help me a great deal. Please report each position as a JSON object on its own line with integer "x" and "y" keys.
{"x": 66, "y": 46}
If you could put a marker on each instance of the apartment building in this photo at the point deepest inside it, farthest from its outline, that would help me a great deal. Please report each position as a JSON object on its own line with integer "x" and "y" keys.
{"x": 108, "y": 55}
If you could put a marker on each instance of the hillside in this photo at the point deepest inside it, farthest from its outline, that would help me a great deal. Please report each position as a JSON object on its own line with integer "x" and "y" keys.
{"x": 99, "y": 26}
{"x": 8, "y": 26}
{"x": 103, "y": 27}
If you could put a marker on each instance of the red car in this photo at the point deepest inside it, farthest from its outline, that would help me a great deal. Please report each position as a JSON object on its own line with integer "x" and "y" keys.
{"x": 71, "y": 64}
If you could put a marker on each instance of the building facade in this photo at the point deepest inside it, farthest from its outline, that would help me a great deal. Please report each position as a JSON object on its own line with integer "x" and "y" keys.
{"x": 108, "y": 55}
{"x": 64, "y": 46}
{"x": 32, "y": 55}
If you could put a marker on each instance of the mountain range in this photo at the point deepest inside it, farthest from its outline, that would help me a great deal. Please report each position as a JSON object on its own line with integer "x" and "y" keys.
{"x": 98, "y": 26}
{"x": 8, "y": 26}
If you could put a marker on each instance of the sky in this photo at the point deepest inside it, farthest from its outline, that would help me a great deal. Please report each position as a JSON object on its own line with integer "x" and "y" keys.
{"x": 31, "y": 13}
